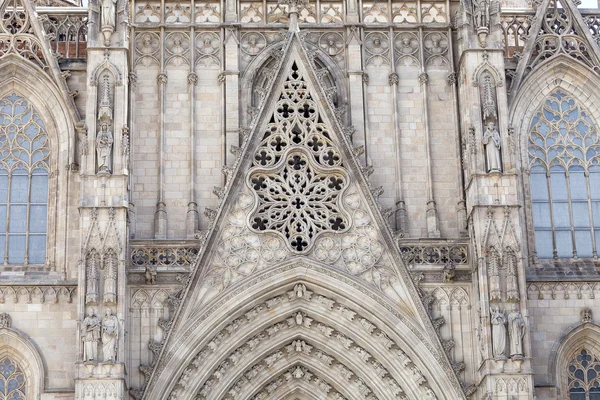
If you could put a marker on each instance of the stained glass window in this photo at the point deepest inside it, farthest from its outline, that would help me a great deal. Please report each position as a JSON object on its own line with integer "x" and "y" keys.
{"x": 584, "y": 377}
{"x": 12, "y": 381}
{"x": 24, "y": 158}
{"x": 564, "y": 167}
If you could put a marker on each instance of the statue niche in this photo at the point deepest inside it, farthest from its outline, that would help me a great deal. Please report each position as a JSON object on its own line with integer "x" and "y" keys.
{"x": 105, "y": 137}
{"x": 492, "y": 141}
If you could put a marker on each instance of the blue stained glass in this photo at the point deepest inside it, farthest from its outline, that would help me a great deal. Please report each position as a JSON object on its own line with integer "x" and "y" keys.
{"x": 25, "y": 148}
{"x": 37, "y": 219}
{"x": 19, "y": 188}
{"x": 3, "y": 186}
{"x": 583, "y": 241}
{"x": 18, "y": 219}
{"x": 39, "y": 188}
{"x": 541, "y": 215}
{"x": 564, "y": 244}
{"x": 543, "y": 244}
{"x": 581, "y": 214}
{"x": 16, "y": 249}
{"x": 558, "y": 181}
{"x": 560, "y": 212}
{"x": 37, "y": 249}
{"x": 539, "y": 186}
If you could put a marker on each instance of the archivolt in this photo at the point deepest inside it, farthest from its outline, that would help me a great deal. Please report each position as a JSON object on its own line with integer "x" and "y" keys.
{"x": 295, "y": 338}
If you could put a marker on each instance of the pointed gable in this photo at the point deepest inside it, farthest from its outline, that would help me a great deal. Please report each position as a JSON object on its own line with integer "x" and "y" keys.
{"x": 558, "y": 29}
{"x": 296, "y": 199}
{"x": 22, "y": 35}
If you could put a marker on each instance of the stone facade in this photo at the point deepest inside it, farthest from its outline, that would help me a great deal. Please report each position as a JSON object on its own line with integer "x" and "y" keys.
{"x": 299, "y": 199}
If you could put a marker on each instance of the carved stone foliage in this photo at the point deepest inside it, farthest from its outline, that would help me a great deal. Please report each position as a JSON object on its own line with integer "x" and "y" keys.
{"x": 300, "y": 344}
{"x": 37, "y": 294}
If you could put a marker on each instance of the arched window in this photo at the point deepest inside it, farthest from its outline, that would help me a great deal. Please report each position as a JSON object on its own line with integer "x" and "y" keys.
{"x": 24, "y": 158}
{"x": 584, "y": 377}
{"x": 565, "y": 179}
{"x": 12, "y": 381}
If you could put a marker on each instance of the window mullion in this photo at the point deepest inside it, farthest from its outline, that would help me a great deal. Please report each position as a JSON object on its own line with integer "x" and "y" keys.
{"x": 591, "y": 214}
{"x": 570, "y": 205}
{"x": 549, "y": 183}
{"x": 7, "y": 217}
{"x": 27, "y": 219}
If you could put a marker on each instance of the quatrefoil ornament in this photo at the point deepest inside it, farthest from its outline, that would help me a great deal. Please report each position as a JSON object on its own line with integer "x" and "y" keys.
{"x": 298, "y": 199}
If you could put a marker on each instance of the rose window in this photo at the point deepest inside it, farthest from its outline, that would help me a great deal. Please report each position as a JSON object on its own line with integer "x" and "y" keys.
{"x": 298, "y": 177}
{"x": 298, "y": 199}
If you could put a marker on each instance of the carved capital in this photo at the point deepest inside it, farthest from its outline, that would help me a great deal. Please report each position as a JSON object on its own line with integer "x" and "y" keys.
{"x": 162, "y": 79}
{"x": 192, "y": 79}
{"x": 393, "y": 79}
{"x": 423, "y": 78}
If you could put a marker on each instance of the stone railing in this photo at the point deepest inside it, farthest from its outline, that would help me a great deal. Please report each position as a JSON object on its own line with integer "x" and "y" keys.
{"x": 162, "y": 254}
{"x": 257, "y": 12}
{"x": 434, "y": 252}
{"x": 66, "y": 29}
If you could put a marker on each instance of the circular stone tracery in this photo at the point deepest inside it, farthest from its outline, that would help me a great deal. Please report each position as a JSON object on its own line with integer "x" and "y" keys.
{"x": 298, "y": 177}
{"x": 299, "y": 199}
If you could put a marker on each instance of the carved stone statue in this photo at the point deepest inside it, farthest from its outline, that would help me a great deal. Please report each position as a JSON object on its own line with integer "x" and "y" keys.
{"x": 586, "y": 315}
{"x": 90, "y": 335}
{"x": 107, "y": 18}
{"x": 110, "y": 278}
{"x": 5, "y": 320}
{"x": 104, "y": 142}
{"x": 110, "y": 336}
{"x": 481, "y": 13}
{"x": 498, "y": 320}
{"x": 492, "y": 143}
{"x": 516, "y": 325}
{"x": 150, "y": 275}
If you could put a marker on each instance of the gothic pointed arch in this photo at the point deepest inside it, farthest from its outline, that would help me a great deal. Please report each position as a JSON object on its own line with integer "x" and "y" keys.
{"x": 260, "y": 73}
{"x": 20, "y": 362}
{"x": 549, "y": 139}
{"x": 580, "y": 342}
{"x": 299, "y": 216}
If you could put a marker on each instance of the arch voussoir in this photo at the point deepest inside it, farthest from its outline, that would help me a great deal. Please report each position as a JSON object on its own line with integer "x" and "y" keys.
{"x": 306, "y": 316}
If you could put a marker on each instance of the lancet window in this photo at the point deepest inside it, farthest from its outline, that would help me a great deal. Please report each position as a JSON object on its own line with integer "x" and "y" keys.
{"x": 12, "y": 381}
{"x": 24, "y": 165}
{"x": 563, "y": 149}
{"x": 584, "y": 377}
